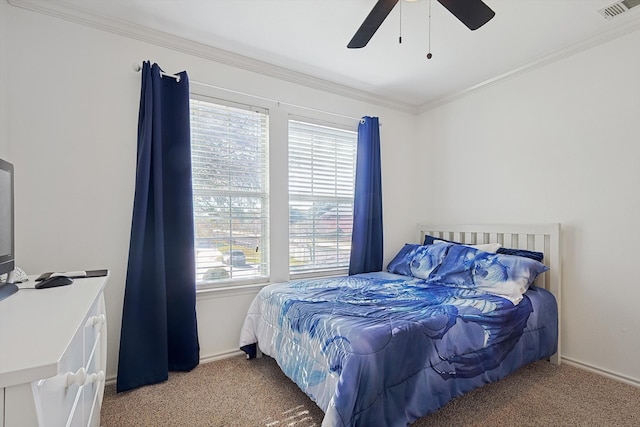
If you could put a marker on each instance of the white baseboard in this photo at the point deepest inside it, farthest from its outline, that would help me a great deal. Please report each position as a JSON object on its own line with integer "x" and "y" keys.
{"x": 596, "y": 370}
{"x": 211, "y": 358}
{"x": 223, "y": 355}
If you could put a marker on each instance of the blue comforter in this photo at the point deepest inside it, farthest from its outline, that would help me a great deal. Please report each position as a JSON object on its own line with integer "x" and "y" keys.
{"x": 385, "y": 349}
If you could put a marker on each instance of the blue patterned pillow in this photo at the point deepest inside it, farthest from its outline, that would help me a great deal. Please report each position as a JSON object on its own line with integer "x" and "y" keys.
{"x": 427, "y": 258}
{"x": 400, "y": 263}
{"x": 538, "y": 256}
{"x": 429, "y": 240}
{"x": 488, "y": 247}
{"x": 507, "y": 276}
{"x": 418, "y": 260}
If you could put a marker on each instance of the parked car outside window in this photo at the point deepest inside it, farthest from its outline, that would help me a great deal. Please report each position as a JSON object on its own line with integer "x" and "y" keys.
{"x": 235, "y": 257}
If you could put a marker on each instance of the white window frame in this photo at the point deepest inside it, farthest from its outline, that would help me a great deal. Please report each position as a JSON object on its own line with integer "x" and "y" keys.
{"x": 264, "y": 264}
{"x": 317, "y": 193}
{"x": 278, "y": 219}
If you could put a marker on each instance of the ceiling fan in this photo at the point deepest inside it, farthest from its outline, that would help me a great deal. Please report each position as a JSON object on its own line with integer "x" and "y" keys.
{"x": 472, "y": 13}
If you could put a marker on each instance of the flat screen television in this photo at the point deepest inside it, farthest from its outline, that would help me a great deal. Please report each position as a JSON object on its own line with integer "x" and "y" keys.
{"x": 7, "y": 230}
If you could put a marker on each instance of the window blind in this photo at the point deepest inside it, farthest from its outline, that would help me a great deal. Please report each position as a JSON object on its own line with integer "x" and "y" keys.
{"x": 229, "y": 152}
{"x": 321, "y": 188}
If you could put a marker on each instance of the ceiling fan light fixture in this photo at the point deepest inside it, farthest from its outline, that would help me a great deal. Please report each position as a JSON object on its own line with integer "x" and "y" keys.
{"x": 472, "y": 13}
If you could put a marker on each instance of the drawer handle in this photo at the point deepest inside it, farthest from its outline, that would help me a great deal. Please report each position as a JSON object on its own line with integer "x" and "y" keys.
{"x": 78, "y": 378}
{"x": 97, "y": 321}
{"x": 94, "y": 378}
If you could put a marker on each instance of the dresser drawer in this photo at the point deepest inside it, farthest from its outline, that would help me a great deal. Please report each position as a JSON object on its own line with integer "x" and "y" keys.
{"x": 62, "y": 338}
{"x": 69, "y": 398}
{"x": 93, "y": 326}
{"x": 76, "y": 418}
{"x": 58, "y": 396}
{"x": 94, "y": 384}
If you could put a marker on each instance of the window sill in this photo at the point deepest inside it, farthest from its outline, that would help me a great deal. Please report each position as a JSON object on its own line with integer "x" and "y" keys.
{"x": 320, "y": 274}
{"x": 229, "y": 290}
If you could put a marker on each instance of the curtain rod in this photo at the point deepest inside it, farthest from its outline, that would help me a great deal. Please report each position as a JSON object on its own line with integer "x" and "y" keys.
{"x": 137, "y": 68}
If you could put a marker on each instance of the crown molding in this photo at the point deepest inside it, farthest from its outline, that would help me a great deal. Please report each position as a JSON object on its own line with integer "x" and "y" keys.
{"x": 60, "y": 9}
{"x": 600, "y": 38}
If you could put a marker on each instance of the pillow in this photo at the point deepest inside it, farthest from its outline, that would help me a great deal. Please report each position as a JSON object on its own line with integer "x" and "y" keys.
{"x": 507, "y": 276}
{"x": 418, "y": 260}
{"x": 427, "y": 258}
{"x": 487, "y": 247}
{"x": 400, "y": 263}
{"x": 538, "y": 256}
{"x": 428, "y": 240}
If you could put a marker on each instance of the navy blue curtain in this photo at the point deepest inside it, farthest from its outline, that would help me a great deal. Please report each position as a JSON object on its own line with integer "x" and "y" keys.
{"x": 366, "y": 239}
{"x": 159, "y": 330}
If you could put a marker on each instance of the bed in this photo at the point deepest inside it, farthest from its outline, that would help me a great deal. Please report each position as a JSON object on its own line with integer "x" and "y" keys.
{"x": 452, "y": 312}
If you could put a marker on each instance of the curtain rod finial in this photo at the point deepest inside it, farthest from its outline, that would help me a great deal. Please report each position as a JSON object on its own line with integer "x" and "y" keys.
{"x": 136, "y": 66}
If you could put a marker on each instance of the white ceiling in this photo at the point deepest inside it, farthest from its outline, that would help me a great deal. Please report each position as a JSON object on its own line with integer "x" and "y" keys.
{"x": 310, "y": 36}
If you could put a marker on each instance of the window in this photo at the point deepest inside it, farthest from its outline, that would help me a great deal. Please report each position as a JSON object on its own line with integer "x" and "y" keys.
{"x": 321, "y": 188}
{"x": 230, "y": 191}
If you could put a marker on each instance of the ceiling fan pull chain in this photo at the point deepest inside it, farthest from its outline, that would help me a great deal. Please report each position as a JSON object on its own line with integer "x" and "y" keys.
{"x": 429, "y": 55}
{"x": 400, "y": 36}
{"x": 472, "y": 13}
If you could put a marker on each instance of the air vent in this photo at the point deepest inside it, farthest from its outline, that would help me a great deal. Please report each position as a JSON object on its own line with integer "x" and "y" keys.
{"x": 618, "y": 8}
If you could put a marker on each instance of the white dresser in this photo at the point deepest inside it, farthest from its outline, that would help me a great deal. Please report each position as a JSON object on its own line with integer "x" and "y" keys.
{"x": 53, "y": 346}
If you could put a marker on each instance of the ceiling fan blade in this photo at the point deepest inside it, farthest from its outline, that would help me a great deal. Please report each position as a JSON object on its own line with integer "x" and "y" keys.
{"x": 472, "y": 13}
{"x": 371, "y": 23}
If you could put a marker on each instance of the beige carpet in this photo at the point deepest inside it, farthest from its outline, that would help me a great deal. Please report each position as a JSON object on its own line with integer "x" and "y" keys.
{"x": 240, "y": 392}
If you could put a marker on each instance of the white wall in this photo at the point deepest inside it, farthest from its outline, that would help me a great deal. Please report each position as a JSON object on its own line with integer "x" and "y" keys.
{"x": 73, "y": 109}
{"x": 4, "y": 66}
{"x": 560, "y": 143}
